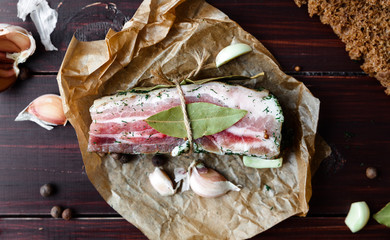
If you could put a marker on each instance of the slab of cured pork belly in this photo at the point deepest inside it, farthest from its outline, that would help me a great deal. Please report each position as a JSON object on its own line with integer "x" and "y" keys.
{"x": 118, "y": 124}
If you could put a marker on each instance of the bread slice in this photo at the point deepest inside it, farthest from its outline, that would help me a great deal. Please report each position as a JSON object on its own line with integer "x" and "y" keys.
{"x": 364, "y": 26}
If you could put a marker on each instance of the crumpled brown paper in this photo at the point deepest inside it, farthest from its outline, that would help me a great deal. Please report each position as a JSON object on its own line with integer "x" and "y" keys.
{"x": 167, "y": 34}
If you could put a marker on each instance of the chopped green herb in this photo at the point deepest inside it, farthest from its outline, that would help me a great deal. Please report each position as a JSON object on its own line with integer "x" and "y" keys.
{"x": 267, "y": 187}
{"x": 121, "y": 93}
{"x": 193, "y": 90}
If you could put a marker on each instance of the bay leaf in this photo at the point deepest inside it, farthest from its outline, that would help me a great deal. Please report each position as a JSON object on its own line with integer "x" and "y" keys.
{"x": 206, "y": 119}
{"x": 383, "y": 216}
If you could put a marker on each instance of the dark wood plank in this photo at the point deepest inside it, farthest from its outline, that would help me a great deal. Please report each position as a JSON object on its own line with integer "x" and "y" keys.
{"x": 290, "y": 34}
{"x": 31, "y": 156}
{"x": 117, "y": 228}
{"x": 286, "y": 30}
{"x": 354, "y": 121}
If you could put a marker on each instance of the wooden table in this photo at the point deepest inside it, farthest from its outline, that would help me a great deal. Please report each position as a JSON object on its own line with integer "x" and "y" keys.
{"x": 355, "y": 121}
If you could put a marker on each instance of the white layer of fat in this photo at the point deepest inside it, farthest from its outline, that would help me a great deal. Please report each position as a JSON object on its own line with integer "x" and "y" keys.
{"x": 231, "y": 96}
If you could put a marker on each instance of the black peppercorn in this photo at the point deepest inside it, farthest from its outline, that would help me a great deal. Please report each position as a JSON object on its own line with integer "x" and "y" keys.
{"x": 56, "y": 211}
{"x": 46, "y": 190}
{"x": 125, "y": 158}
{"x": 158, "y": 160}
{"x": 67, "y": 214}
{"x": 122, "y": 158}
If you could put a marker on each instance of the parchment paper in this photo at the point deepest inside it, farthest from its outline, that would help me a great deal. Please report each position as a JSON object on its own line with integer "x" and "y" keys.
{"x": 167, "y": 34}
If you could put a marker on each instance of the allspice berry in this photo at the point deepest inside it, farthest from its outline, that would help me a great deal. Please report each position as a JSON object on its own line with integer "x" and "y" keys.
{"x": 371, "y": 172}
{"x": 46, "y": 190}
{"x": 297, "y": 68}
{"x": 67, "y": 214}
{"x": 56, "y": 211}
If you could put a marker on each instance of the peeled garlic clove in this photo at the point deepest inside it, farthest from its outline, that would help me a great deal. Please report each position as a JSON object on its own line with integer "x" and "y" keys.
{"x": 358, "y": 216}
{"x": 16, "y": 45}
{"x": 208, "y": 183}
{"x": 161, "y": 182}
{"x": 231, "y": 52}
{"x": 45, "y": 110}
{"x": 255, "y": 162}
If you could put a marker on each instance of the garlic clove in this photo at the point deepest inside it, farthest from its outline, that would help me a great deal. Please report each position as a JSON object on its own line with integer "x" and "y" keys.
{"x": 8, "y": 46}
{"x": 358, "y": 216}
{"x": 161, "y": 182}
{"x": 4, "y": 59}
{"x": 21, "y": 40}
{"x": 231, "y": 52}
{"x": 255, "y": 162}
{"x": 6, "y": 70}
{"x": 45, "y": 110}
{"x": 209, "y": 183}
{"x": 16, "y": 45}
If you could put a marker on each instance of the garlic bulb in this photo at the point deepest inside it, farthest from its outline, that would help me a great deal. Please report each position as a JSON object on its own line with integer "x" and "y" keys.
{"x": 16, "y": 45}
{"x": 45, "y": 110}
{"x": 161, "y": 182}
{"x": 207, "y": 182}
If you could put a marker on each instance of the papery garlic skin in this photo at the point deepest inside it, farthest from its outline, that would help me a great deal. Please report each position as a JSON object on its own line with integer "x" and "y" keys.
{"x": 44, "y": 18}
{"x": 161, "y": 182}
{"x": 16, "y": 45}
{"x": 181, "y": 175}
{"x": 208, "y": 183}
{"x": 45, "y": 110}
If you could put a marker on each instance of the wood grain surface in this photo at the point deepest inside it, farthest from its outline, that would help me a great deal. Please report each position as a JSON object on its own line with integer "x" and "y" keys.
{"x": 295, "y": 228}
{"x": 354, "y": 120}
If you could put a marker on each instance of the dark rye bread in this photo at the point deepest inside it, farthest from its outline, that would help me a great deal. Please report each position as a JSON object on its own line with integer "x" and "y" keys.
{"x": 364, "y": 26}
